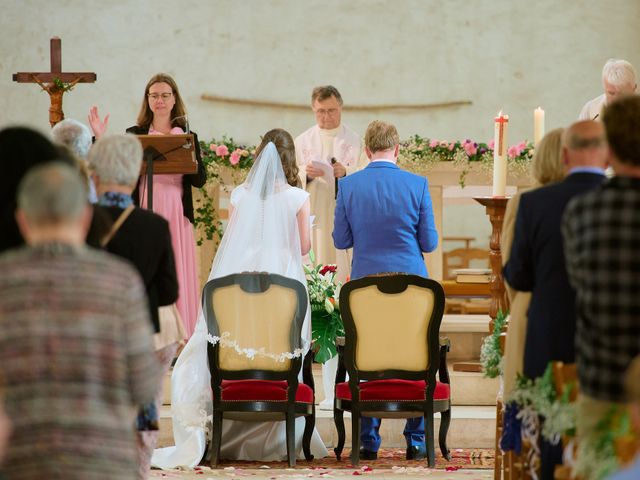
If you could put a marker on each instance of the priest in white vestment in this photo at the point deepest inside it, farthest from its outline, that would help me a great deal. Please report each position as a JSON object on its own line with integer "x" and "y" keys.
{"x": 325, "y": 152}
{"x": 618, "y": 79}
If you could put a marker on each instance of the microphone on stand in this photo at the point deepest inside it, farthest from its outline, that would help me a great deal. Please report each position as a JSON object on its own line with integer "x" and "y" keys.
{"x": 186, "y": 125}
{"x": 335, "y": 179}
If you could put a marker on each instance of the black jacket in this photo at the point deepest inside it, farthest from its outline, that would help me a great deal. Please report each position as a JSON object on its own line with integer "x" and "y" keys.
{"x": 194, "y": 180}
{"x": 145, "y": 240}
{"x": 537, "y": 265}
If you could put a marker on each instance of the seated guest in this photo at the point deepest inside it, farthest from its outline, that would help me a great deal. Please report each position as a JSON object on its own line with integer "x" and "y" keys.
{"x": 76, "y": 350}
{"x": 536, "y": 263}
{"x": 547, "y": 167}
{"x": 143, "y": 238}
{"x": 618, "y": 79}
{"x": 76, "y": 137}
{"x": 601, "y": 232}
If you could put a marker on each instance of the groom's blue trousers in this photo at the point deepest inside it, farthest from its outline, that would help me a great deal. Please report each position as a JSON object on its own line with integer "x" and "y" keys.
{"x": 370, "y": 432}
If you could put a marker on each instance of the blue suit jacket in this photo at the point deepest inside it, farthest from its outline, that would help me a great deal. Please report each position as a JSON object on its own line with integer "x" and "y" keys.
{"x": 537, "y": 265}
{"x": 385, "y": 214}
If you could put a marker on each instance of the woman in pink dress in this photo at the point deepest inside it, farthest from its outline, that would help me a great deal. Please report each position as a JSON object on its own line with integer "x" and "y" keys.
{"x": 163, "y": 113}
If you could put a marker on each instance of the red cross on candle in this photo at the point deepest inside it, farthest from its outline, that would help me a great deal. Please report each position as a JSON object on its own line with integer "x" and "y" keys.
{"x": 502, "y": 120}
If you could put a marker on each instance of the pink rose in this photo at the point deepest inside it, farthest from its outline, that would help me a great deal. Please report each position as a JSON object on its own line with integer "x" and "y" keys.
{"x": 491, "y": 144}
{"x": 471, "y": 148}
{"x": 222, "y": 151}
{"x": 235, "y": 157}
{"x": 433, "y": 143}
{"x": 513, "y": 151}
{"x": 451, "y": 146}
{"x": 213, "y": 147}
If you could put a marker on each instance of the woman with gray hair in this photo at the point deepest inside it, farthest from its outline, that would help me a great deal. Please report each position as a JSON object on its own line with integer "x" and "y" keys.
{"x": 143, "y": 238}
{"x": 76, "y": 137}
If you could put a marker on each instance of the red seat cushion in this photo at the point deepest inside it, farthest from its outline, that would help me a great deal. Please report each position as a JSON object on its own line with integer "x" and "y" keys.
{"x": 262, "y": 391}
{"x": 393, "y": 390}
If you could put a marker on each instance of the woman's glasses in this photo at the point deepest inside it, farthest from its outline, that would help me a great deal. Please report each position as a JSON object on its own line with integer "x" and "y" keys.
{"x": 157, "y": 96}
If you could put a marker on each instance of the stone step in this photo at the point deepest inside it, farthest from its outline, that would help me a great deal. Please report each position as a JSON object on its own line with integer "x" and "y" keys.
{"x": 471, "y": 427}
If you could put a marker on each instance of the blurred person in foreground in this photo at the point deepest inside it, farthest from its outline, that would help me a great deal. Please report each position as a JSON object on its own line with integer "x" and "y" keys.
{"x": 76, "y": 349}
{"x": 601, "y": 231}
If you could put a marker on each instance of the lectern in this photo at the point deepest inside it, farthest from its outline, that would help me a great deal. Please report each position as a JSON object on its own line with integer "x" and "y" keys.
{"x": 165, "y": 154}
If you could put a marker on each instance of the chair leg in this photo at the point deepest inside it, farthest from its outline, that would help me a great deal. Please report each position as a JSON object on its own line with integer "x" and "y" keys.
{"x": 309, "y": 425}
{"x": 429, "y": 437}
{"x": 216, "y": 438}
{"x": 338, "y": 419}
{"x": 291, "y": 438}
{"x": 355, "y": 437}
{"x": 445, "y": 421}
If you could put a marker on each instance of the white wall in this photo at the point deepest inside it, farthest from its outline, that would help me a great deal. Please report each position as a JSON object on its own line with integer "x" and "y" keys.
{"x": 499, "y": 54}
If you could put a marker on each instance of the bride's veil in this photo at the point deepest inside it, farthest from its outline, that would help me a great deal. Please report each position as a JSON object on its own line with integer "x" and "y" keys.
{"x": 260, "y": 235}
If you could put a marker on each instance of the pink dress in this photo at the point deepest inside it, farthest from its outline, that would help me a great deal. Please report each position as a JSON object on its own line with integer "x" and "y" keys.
{"x": 167, "y": 201}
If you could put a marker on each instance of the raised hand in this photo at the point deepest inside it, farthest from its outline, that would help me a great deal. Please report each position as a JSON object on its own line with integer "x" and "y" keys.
{"x": 98, "y": 126}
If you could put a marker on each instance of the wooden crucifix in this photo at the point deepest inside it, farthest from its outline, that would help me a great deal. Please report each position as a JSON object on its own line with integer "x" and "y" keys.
{"x": 55, "y": 82}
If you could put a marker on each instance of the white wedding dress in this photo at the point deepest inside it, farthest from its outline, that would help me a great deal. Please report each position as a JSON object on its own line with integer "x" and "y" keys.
{"x": 262, "y": 235}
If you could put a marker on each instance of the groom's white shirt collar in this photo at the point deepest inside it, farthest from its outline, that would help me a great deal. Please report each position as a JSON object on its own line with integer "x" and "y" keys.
{"x": 383, "y": 160}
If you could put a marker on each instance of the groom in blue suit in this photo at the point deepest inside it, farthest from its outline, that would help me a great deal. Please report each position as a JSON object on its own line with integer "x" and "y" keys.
{"x": 385, "y": 215}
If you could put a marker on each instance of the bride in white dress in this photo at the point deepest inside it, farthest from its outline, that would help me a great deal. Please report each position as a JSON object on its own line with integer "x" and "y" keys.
{"x": 268, "y": 231}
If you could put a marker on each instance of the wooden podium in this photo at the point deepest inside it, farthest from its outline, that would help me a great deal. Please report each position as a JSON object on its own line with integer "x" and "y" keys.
{"x": 164, "y": 154}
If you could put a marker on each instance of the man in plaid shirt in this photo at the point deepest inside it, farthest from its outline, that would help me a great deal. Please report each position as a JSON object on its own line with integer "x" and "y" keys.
{"x": 601, "y": 232}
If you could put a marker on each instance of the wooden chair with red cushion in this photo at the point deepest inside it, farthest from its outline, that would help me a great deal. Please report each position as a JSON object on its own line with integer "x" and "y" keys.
{"x": 392, "y": 354}
{"x": 258, "y": 311}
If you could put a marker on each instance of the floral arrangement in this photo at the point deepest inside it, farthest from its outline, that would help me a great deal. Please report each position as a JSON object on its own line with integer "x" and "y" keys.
{"x": 326, "y": 322}
{"x": 417, "y": 154}
{"x": 490, "y": 353}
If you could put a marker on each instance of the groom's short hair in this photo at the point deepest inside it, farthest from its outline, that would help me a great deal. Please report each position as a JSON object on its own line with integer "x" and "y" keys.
{"x": 381, "y": 136}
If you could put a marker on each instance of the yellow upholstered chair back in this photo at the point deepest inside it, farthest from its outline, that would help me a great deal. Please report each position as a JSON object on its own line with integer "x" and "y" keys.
{"x": 262, "y": 321}
{"x": 384, "y": 321}
{"x": 392, "y": 322}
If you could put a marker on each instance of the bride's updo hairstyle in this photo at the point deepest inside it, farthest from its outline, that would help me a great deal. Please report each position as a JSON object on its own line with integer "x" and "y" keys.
{"x": 287, "y": 151}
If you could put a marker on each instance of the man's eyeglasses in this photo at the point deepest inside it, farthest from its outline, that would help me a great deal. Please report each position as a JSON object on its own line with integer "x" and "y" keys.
{"x": 331, "y": 112}
{"x": 157, "y": 96}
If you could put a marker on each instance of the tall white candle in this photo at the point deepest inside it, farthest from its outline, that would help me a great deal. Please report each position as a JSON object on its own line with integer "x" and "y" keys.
{"x": 500, "y": 155}
{"x": 538, "y": 125}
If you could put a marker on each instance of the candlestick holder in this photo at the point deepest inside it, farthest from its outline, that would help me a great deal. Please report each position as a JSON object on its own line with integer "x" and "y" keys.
{"x": 495, "y": 207}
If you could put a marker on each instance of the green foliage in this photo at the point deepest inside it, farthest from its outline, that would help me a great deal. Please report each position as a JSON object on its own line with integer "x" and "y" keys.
{"x": 326, "y": 322}
{"x": 60, "y": 85}
{"x": 490, "y": 354}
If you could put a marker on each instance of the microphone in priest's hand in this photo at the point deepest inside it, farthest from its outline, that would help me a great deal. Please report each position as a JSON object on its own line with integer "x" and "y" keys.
{"x": 186, "y": 126}
{"x": 335, "y": 179}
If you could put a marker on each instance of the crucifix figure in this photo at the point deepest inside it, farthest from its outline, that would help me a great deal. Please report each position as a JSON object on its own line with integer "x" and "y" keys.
{"x": 55, "y": 82}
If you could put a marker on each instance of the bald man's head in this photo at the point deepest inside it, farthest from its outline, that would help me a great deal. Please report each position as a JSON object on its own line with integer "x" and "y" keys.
{"x": 585, "y": 145}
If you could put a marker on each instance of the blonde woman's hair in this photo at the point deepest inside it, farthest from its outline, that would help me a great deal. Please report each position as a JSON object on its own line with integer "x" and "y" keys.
{"x": 381, "y": 136}
{"x": 547, "y": 165}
